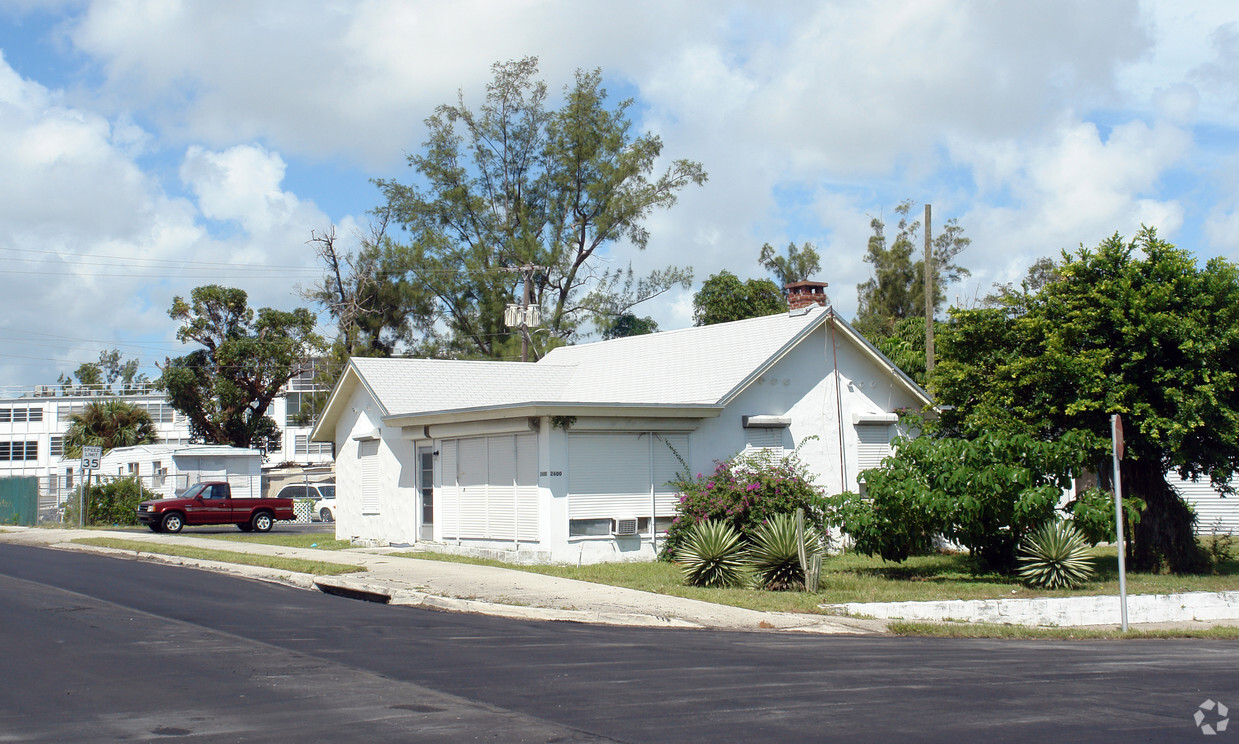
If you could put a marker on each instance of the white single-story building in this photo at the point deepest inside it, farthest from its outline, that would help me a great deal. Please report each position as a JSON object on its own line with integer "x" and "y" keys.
{"x": 169, "y": 469}
{"x": 568, "y": 459}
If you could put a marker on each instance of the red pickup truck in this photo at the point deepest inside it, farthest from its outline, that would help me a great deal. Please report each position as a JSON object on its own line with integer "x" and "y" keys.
{"x": 212, "y": 503}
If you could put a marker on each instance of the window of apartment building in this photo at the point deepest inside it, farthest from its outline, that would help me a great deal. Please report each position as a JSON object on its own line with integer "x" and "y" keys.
{"x": 65, "y": 411}
{"x": 304, "y": 379}
{"x": 298, "y": 409}
{"x": 13, "y": 451}
{"x": 303, "y": 447}
{"x": 56, "y": 446}
{"x": 20, "y": 415}
{"x": 160, "y": 412}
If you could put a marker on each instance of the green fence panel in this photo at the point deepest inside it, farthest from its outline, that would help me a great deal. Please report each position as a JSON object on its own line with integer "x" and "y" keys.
{"x": 19, "y": 501}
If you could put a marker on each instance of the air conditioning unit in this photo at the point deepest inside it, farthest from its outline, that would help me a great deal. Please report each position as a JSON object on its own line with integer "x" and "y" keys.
{"x": 625, "y": 526}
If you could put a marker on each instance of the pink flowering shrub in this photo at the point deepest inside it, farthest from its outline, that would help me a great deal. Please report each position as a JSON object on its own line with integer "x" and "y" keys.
{"x": 744, "y": 492}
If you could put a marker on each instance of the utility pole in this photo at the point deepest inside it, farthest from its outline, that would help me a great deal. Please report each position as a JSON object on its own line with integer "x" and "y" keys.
{"x": 519, "y": 315}
{"x": 929, "y": 295}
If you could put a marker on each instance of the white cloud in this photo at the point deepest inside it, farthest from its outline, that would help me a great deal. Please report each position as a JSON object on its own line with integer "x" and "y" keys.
{"x": 1039, "y": 125}
{"x": 94, "y": 248}
{"x": 241, "y": 183}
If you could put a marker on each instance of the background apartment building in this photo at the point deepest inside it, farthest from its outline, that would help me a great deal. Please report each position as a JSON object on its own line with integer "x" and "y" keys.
{"x": 33, "y": 424}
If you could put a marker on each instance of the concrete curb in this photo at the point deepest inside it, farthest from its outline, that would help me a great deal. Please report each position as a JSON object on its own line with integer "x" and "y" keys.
{"x": 1059, "y": 611}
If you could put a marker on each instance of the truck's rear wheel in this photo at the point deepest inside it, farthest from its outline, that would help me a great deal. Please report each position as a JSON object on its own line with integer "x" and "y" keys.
{"x": 325, "y": 515}
{"x": 172, "y": 522}
{"x": 262, "y": 522}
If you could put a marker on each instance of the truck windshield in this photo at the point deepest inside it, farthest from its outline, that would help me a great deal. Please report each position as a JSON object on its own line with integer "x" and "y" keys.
{"x": 194, "y": 491}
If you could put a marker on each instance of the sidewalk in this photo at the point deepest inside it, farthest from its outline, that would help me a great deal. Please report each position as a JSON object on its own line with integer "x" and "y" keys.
{"x": 461, "y": 587}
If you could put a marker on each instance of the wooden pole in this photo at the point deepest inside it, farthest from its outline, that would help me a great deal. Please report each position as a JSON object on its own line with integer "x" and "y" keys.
{"x": 929, "y": 294}
{"x": 528, "y": 272}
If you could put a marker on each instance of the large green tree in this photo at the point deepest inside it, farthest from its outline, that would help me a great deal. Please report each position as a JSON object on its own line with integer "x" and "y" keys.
{"x": 629, "y": 324}
{"x": 797, "y": 266}
{"x": 896, "y": 288}
{"x": 724, "y": 298}
{"x": 985, "y": 493}
{"x": 108, "y": 376}
{"x": 226, "y": 387}
{"x": 515, "y": 199}
{"x": 1132, "y": 327}
{"x": 108, "y": 424}
{"x": 363, "y": 293}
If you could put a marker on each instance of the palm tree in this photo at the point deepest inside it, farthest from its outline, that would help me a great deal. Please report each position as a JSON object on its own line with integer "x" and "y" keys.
{"x": 108, "y": 424}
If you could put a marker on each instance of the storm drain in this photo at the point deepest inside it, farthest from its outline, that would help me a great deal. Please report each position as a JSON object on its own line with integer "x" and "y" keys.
{"x": 351, "y": 593}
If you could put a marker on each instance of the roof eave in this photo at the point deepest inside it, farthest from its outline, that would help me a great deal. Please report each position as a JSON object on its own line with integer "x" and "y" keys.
{"x": 774, "y": 358}
{"x": 546, "y": 408}
{"x": 876, "y": 354}
{"x": 324, "y": 430}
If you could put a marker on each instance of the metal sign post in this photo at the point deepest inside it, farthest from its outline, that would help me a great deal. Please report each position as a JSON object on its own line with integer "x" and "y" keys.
{"x": 1116, "y": 439}
{"x": 90, "y": 461}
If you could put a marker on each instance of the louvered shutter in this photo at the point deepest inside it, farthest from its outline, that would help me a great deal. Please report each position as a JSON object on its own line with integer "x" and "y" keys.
{"x": 368, "y": 462}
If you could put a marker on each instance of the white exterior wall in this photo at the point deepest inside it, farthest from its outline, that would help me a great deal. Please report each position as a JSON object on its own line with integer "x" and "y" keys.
{"x": 1214, "y": 514}
{"x": 801, "y": 386}
{"x": 395, "y": 523}
{"x": 243, "y": 472}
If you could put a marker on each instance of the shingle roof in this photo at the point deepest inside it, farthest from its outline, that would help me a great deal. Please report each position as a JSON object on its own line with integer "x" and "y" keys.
{"x": 408, "y": 386}
{"x": 693, "y": 366}
{"x": 699, "y": 365}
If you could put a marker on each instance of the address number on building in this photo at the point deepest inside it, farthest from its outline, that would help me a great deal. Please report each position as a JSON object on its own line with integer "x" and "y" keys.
{"x": 91, "y": 457}
{"x": 552, "y": 473}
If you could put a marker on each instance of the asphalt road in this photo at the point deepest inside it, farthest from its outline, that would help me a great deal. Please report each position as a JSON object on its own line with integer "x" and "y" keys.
{"x": 104, "y": 649}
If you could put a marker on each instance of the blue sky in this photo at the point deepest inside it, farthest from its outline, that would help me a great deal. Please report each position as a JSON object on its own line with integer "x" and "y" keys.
{"x": 151, "y": 146}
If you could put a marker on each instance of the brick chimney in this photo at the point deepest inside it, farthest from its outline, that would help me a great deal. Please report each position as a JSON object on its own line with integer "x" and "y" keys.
{"x": 803, "y": 294}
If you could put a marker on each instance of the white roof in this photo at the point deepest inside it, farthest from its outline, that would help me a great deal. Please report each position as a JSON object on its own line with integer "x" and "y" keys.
{"x": 703, "y": 366}
{"x": 144, "y": 451}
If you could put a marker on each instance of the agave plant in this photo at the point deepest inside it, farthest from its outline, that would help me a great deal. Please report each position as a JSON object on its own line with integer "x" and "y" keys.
{"x": 713, "y": 555}
{"x": 1056, "y": 556}
{"x": 775, "y": 554}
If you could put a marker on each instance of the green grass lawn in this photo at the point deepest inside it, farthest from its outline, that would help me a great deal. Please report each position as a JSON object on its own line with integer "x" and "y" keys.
{"x": 288, "y": 540}
{"x": 858, "y": 578}
{"x": 280, "y": 563}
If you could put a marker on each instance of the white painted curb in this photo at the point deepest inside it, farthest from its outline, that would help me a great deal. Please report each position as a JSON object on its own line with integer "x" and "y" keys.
{"x": 1058, "y": 611}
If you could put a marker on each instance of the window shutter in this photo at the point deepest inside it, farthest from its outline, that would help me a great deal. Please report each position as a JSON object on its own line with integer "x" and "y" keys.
{"x": 368, "y": 460}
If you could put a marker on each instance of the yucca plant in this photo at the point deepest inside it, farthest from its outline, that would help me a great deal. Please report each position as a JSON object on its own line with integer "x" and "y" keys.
{"x": 1056, "y": 556}
{"x": 713, "y": 555}
{"x": 775, "y": 553}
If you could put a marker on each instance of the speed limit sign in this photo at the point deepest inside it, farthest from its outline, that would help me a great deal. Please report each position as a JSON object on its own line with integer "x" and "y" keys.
{"x": 91, "y": 457}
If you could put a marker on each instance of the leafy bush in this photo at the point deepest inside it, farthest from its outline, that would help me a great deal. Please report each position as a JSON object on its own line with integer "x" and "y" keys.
{"x": 713, "y": 555}
{"x": 1092, "y": 512}
{"x": 112, "y": 503}
{"x": 985, "y": 494}
{"x": 1056, "y": 556}
{"x": 775, "y": 554}
{"x": 744, "y": 492}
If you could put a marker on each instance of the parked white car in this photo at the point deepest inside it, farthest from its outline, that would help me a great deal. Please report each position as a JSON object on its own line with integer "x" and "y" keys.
{"x": 324, "y": 495}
